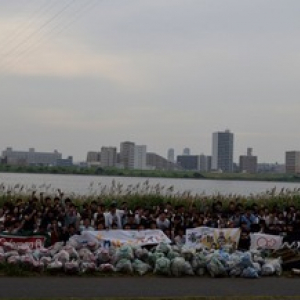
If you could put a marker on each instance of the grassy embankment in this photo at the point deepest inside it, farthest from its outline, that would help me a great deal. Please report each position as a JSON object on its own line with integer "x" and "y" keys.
{"x": 148, "y": 195}
{"x": 149, "y": 173}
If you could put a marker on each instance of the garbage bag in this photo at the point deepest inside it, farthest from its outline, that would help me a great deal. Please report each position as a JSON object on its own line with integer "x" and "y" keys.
{"x": 172, "y": 254}
{"x": 272, "y": 267}
{"x": 249, "y": 272}
{"x": 188, "y": 270}
{"x": 71, "y": 267}
{"x": 37, "y": 266}
{"x": 43, "y": 252}
{"x": 13, "y": 260}
{"x": 93, "y": 246}
{"x": 124, "y": 266}
{"x": 11, "y": 253}
{"x": 72, "y": 252}
{"x": 153, "y": 257}
{"x": 215, "y": 267}
{"x": 23, "y": 249}
{"x": 45, "y": 260}
{"x": 27, "y": 260}
{"x": 55, "y": 265}
{"x": 187, "y": 253}
{"x": 267, "y": 269}
{"x": 178, "y": 266}
{"x": 142, "y": 254}
{"x": 246, "y": 261}
{"x": 163, "y": 248}
{"x": 88, "y": 267}
{"x": 86, "y": 255}
{"x": 54, "y": 249}
{"x": 198, "y": 261}
{"x": 140, "y": 267}
{"x": 63, "y": 256}
{"x": 235, "y": 271}
{"x": 106, "y": 268}
{"x": 9, "y": 247}
{"x": 2, "y": 258}
{"x": 124, "y": 252}
{"x": 257, "y": 267}
{"x": 162, "y": 266}
{"x": 103, "y": 256}
{"x": 201, "y": 272}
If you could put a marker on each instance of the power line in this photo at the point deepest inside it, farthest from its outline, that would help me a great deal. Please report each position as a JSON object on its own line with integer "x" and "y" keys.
{"x": 14, "y": 49}
{"x": 31, "y": 20}
{"x": 61, "y": 27}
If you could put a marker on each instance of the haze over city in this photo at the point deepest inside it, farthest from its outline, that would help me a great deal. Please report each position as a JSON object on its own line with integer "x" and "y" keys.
{"x": 78, "y": 75}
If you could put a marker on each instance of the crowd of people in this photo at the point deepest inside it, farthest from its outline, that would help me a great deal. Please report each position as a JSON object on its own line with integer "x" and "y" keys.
{"x": 60, "y": 218}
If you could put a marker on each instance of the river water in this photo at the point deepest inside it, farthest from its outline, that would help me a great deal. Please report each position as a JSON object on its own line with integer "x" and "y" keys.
{"x": 84, "y": 185}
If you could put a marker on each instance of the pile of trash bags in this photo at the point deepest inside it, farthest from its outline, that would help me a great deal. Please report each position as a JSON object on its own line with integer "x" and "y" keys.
{"x": 163, "y": 259}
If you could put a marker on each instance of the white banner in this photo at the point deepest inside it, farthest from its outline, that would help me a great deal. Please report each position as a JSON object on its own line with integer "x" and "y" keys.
{"x": 121, "y": 237}
{"x": 212, "y": 238}
{"x": 266, "y": 241}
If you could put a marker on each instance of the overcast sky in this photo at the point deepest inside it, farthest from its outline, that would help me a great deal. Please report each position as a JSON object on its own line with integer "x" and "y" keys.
{"x": 78, "y": 75}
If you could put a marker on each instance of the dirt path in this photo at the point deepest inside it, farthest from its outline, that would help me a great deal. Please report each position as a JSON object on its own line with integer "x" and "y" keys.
{"x": 48, "y": 287}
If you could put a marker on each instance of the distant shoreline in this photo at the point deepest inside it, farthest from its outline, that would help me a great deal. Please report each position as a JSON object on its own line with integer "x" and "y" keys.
{"x": 272, "y": 177}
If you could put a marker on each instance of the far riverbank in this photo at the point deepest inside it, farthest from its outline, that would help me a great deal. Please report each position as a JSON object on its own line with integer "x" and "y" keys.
{"x": 98, "y": 171}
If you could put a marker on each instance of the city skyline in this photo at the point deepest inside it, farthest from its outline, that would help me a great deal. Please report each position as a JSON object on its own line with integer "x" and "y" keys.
{"x": 77, "y": 75}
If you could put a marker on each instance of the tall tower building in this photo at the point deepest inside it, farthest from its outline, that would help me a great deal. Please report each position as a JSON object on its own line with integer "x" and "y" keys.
{"x": 127, "y": 154}
{"x": 108, "y": 156}
{"x": 140, "y": 157}
{"x": 171, "y": 155}
{"x": 186, "y": 151}
{"x": 248, "y": 163}
{"x": 292, "y": 162}
{"x": 222, "y": 151}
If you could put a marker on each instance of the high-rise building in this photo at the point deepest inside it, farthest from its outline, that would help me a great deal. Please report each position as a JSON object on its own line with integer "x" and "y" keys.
{"x": 171, "y": 155}
{"x": 31, "y": 157}
{"x": 93, "y": 158}
{"x": 292, "y": 162}
{"x": 186, "y": 151}
{"x": 158, "y": 162}
{"x": 248, "y": 163}
{"x": 189, "y": 162}
{"x": 204, "y": 167}
{"x": 65, "y": 162}
{"x": 140, "y": 157}
{"x": 108, "y": 157}
{"x": 127, "y": 155}
{"x": 222, "y": 151}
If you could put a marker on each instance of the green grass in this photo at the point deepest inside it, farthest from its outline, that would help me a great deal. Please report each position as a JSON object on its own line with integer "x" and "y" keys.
{"x": 150, "y": 173}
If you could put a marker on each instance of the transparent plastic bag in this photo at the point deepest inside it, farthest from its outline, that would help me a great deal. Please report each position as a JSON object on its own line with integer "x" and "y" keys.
{"x": 249, "y": 272}
{"x": 124, "y": 266}
{"x": 216, "y": 268}
{"x": 106, "y": 268}
{"x": 163, "y": 248}
{"x": 71, "y": 267}
{"x": 88, "y": 267}
{"x": 124, "y": 252}
{"x": 140, "y": 267}
{"x": 162, "y": 266}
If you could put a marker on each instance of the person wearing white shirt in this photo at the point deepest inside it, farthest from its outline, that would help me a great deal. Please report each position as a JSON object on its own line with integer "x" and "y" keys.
{"x": 114, "y": 216}
{"x": 86, "y": 225}
{"x": 162, "y": 222}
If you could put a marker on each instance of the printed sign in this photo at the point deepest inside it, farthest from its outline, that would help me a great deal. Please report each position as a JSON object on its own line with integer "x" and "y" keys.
{"x": 212, "y": 238}
{"x": 121, "y": 237}
{"x": 266, "y": 241}
{"x": 33, "y": 241}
